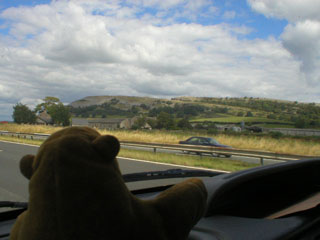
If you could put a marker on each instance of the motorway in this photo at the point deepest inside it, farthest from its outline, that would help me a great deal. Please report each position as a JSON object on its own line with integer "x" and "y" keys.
{"x": 14, "y": 187}
{"x": 255, "y": 160}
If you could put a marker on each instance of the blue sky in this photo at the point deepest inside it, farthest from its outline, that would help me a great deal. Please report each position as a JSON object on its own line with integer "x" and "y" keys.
{"x": 16, "y": 3}
{"x": 235, "y": 12}
{"x": 71, "y": 49}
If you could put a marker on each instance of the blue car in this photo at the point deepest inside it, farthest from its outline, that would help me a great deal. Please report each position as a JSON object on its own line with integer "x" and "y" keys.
{"x": 205, "y": 141}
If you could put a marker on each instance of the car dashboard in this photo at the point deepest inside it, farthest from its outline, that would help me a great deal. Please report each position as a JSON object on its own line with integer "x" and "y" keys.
{"x": 280, "y": 201}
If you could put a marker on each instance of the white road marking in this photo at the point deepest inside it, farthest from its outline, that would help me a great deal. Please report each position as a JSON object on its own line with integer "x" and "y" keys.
{"x": 5, "y": 195}
{"x": 32, "y": 145}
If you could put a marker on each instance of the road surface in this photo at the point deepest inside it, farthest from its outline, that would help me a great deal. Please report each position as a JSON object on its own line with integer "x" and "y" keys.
{"x": 14, "y": 187}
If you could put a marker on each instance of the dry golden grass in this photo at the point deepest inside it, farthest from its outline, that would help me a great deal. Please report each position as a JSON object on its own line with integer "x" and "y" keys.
{"x": 21, "y": 140}
{"x": 145, "y": 136}
{"x": 282, "y": 145}
{"x": 26, "y": 128}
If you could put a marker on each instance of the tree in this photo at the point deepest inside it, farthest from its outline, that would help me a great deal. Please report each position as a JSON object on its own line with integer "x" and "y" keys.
{"x": 134, "y": 109}
{"x": 140, "y": 123}
{"x": 249, "y": 114}
{"x": 165, "y": 120}
{"x": 144, "y": 106}
{"x": 272, "y": 116}
{"x": 22, "y": 114}
{"x": 184, "y": 124}
{"x": 47, "y": 104}
{"x": 224, "y": 110}
{"x": 152, "y": 122}
{"x": 59, "y": 113}
{"x": 301, "y": 123}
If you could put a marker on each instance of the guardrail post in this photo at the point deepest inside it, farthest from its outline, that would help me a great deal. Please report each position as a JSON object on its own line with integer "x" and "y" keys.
{"x": 261, "y": 161}
{"x": 155, "y": 150}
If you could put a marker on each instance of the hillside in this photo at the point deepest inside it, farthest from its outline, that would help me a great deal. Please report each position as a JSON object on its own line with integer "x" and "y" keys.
{"x": 203, "y": 109}
{"x": 125, "y": 102}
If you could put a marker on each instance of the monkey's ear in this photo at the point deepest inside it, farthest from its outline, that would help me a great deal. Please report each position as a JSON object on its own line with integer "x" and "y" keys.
{"x": 26, "y": 165}
{"x": 107, "y": 145}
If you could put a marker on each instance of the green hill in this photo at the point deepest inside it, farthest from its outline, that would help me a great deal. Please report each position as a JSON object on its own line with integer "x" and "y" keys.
{"x": 203, "y": 109}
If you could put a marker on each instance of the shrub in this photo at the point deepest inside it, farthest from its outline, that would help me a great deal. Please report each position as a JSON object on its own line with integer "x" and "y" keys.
{"x": 276, "y": 135}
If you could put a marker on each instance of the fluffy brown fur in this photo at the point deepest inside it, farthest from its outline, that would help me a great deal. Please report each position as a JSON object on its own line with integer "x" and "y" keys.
{"x": 77, "y": 192}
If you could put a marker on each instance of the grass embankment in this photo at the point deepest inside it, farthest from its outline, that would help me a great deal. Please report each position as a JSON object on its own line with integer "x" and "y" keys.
{"x": 187, "y": 160}
{"x": 21, "y": 140}
{"x": 263, "y": 143}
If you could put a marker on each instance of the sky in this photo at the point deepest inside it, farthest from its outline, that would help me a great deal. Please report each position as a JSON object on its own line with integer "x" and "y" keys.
{"x": 71, "y": 49}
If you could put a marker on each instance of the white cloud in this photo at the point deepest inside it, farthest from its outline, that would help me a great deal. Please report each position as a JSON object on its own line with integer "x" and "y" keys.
{"x": 192, "y": 5}
{"x": 5, "y": 91}
{"x": 229, "y": 15}
{"x": 301, "y": 36}
{"x": 157, "y": 3}
{"x": 292, "y": 10}
{"x": 73, "y": 49}
{"x": 303, "y": 40}
{"x": 31, "y": 102}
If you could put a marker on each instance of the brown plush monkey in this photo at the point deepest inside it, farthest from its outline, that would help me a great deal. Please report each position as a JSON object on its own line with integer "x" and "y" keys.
{"x": 77, "y": 192}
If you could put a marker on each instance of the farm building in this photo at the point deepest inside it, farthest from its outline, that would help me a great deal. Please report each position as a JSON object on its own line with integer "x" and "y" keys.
{"x": 107, "y": 123}
{"x": 44, "y": 118}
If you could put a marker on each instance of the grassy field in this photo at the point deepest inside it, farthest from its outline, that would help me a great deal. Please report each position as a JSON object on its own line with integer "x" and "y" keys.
{"x": 262, "y": 143}
{"x": 239, "y": 120}
{"x": 270, "y": 125}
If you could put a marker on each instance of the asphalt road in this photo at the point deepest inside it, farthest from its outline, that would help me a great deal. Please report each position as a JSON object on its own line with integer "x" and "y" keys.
{"x": 14, "y": 187}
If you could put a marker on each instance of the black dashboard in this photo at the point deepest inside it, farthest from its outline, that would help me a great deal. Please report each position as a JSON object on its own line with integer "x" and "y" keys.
{"x": 278, "y": 201}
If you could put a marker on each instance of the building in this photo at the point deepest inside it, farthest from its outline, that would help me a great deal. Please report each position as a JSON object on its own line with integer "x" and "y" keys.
{"x": 79, "y": 122}
{"x": 107, "y": 123}
{"x": 44, "y": 118}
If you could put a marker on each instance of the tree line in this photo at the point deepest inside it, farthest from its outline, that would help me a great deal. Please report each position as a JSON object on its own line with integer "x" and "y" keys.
{"x": 175, "y": 115}
{"x": 102, "y": 111}
{"x": 60, "y": 114}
